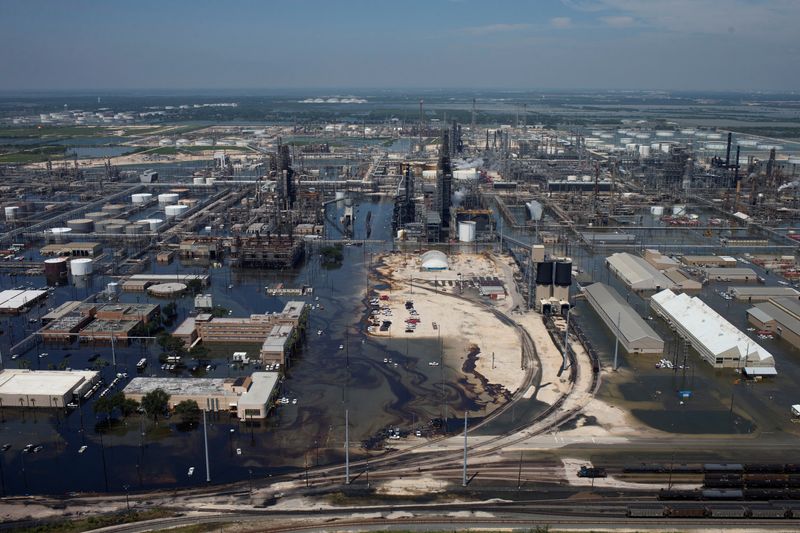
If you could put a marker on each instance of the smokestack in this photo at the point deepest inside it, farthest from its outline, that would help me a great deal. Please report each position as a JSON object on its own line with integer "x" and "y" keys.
{"x": 728, "y": 152}
{"x": 736, "y": 166}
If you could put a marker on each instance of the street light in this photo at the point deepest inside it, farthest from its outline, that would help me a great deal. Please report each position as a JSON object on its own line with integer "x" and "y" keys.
{"x": 127, "y": 501}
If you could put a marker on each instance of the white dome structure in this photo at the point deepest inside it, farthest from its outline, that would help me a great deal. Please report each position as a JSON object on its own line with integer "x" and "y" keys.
{"x": 434, "y": 260}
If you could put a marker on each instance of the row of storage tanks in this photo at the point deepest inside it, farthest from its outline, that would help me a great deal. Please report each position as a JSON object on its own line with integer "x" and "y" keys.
{"x": 56, "y": 267}
{"x": 677, "y": 210}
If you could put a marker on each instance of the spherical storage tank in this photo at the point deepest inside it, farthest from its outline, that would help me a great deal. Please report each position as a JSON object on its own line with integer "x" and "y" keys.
{"x": 141, "y": 197}
{"x": 167, "y": 198}
{"x": 11, "y": 212}
{"x": 176, "y": 210}
{"x": 466, "y": 231}
{"x": 81, "y": 225}
{"x": 81, "y": 266}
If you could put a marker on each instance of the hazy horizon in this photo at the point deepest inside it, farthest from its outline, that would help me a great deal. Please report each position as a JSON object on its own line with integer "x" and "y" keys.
{"x": 676, "y": 46}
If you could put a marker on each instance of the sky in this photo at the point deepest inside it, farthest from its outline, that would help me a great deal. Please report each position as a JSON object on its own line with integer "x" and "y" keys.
{"x": 705, "y": 45}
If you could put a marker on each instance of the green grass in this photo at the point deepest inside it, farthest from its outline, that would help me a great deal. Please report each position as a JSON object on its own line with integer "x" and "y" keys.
{"x": 33, "y": 155}
{"x": 172, "y": 150}
{"x": 95, "y": 522}
{"x": 59, "y": 131}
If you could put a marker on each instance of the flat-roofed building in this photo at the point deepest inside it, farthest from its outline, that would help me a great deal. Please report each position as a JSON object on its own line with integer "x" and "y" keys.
{"x": 277, "y": 344}
{"x": 721, "y": 261}
{"x": 108, "y": 330}
{"x": 65, "y": 328}
{"x": 781, "y": 316}
{"x": 719, "y": 342}
{"x": 73, "y": 249}
{"x": 14, "y": 301}
{"x": 634, "y": 334}
{"x": 44, "y": 388}
{"x": 62, "y": 310}
{"x": 730, "y": 274}
{"x": 659, "y": 260}
{"x": 637, "y": 273}
{"x": 250, "y": 397}
{"x": 682, "y": 281}
{"x": 762, "y": 294}
{"x": 127, "y": 311}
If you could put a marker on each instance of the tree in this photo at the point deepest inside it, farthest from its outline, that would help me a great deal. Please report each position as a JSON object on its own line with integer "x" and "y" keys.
{"x": 103, "y": 406}
{"x": 171, "y": 343}
{"x": 194, "y": 285}
{"x": 189, "y": 412}
{"x": 155, "y": 403}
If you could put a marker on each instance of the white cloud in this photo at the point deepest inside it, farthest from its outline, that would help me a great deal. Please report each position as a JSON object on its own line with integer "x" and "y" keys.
{"x": 619, "y": 21}
{"x": 495, "y": 28}
{"x": 561, "y": 22}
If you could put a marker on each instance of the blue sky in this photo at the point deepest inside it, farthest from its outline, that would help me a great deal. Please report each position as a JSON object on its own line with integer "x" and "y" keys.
{"x": 572, "y": 44}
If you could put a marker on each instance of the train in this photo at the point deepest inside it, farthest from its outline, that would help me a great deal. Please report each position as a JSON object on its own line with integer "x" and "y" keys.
{"x": 758, "y": 511}
{"x": 713, "y": 468}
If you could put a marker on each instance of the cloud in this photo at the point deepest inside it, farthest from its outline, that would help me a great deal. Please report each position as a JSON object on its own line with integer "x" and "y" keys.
{"x": 561, "y": 22}
{"x": 495, "y": 28}
{"x": 619, "y": 21}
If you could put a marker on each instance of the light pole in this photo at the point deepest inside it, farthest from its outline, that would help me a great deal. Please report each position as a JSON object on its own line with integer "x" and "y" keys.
{"x": 127, "y": 501}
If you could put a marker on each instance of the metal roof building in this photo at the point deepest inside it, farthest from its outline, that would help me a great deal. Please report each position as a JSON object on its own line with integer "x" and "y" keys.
{"x": 634, "y": 334}
{"x": 731, "y": 274}
{"x": 762, "y": 294}
{"x": 718, "y": 341}
{"x": 44, "y": 388}
{"x": 779, "y": 315}
{"x": 637, "y": 273}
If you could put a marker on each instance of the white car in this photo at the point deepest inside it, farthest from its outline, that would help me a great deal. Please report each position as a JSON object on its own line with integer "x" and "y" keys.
{"x": 191, "y": 471}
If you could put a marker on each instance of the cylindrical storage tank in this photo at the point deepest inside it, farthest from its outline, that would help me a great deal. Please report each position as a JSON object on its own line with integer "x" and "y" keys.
{"x": 154, "y": 223}
{"x": 642, "y": 135}
{"x": 134, "y": 229}
{"x": 467, "y": 174}
{"x": 81, "y": 225}
{"x": 199, "y": 181}
{"x": 96, "y": 215}
{"x": 210, "y": 181}
{"x": 794, "y": 160}
{"x": 177, "y": 210}
{"x": 55, "y": 269}
{"x": 112, "y": 288}
{"x": 657, "y": 210}
{"x": 466, "y": 231}
{"x": 117, "y": 221}
{"x": 563, "y": 274}
{"x": 167, "y": 290}
{"x": 100, "y": 226}
{"x": 714, "y": 136}
{"x": 81, "y": 266}
{"x": 625, "y": 140}
{"x": 665, "y": 133}
{"x": 167, "y": 198}
{"x": 141, "y": 197}
{"x": 340, "y": 195}
{"x": 678, "y": 209}
{"x": 644, "y": 151}
{"x": 544, "y": 273}
{"x": 750, "y": 143}
{"x": 57, "y": 234}
{"x": 428, "y": 174}
{"x": 114, "y": 229}
{"x": 113, "y": 209}
{"x": 11, "y": 212}
{"x": 144, "y": 224}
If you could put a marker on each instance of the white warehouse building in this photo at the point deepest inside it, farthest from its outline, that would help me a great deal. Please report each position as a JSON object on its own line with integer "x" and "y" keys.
{"x": 638, "y": 274}
{"x": 718, "y": 341}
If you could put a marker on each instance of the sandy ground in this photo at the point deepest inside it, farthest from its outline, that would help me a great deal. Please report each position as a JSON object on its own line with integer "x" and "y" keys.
{"x": 412, "y": 486}
{"x": 459, "y": 323}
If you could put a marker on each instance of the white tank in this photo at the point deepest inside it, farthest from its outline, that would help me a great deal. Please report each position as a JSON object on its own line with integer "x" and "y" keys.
{"x": 141, "y": 197}
{"x": 714, "y": 136}
{"x": 199, "y": 181}
{"x": 466, "y": 231}
{"x": 572, "y": 178}
{"x": 428, "y": 174}
{"x": 750, "y": 143}
{"x": 656, "y": 210}
{"x": 112, "y": 288}
{"x": 58, "y": 234}
{"x": 176, "y": 210}
{"x": 81, "y": 266}
{"x": 716, "y": 146}
{"x": 644, "y": 151}
{"x": 606, "y": 136}
{"x": 655, "y": 146}
{"x": 11, "y": 212}
{"x": 210, "y": 181}
{"x": 769, "y": 147}
{"x": 631, "y": 147}
{"x": 167, "y": 198}
{"x": 794, "y": 160}
{"x": 154, "y": 223}
{"x": 625, "y": 140}
{"x": 465, "y": 174}
{"x": 678, "y": 209}
{"x": 642, "y": 135}
{"x": 340, "y": 195}
{"x": 688, "y": 131}
{"x": 663, "y": 133}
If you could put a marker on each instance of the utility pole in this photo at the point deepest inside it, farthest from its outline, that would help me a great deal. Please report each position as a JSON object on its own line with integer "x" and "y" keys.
{"x": 205, "y": 440}
{"x": 464, "y": 473}
{"x": 616, "y": 341}
{"x": 346, "y": 447}
{"x": 519, "y": 472}
{"x": 566, "y": 344}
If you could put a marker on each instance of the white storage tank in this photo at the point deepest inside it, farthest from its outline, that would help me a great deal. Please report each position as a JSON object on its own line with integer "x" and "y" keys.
{"x": 465, "y": 174}
{"x": 112, "y": 289}
{"x": 644, "y": 151}
{"x": 81, "y": 266}
{"x": 466, "y": 231}
{"x": 428, "y": 174}
{"x": 340, "y": 195}
{"x": 176, "y": 210}
{"x": 656, "y": 210}
{"x": 665, "y": 133}
{"x": 154, "y": 223}
{"x": 11, "y": 212}
{"x": 81, "y": 225}
{"x": 168, "y": 198}
{"x": 141, "y": 197}
{"x": 199, "y": 181}
{"x": 678, "y": 209}
{"x": 714, "y": 136}
{"x": 57, "y": 234}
